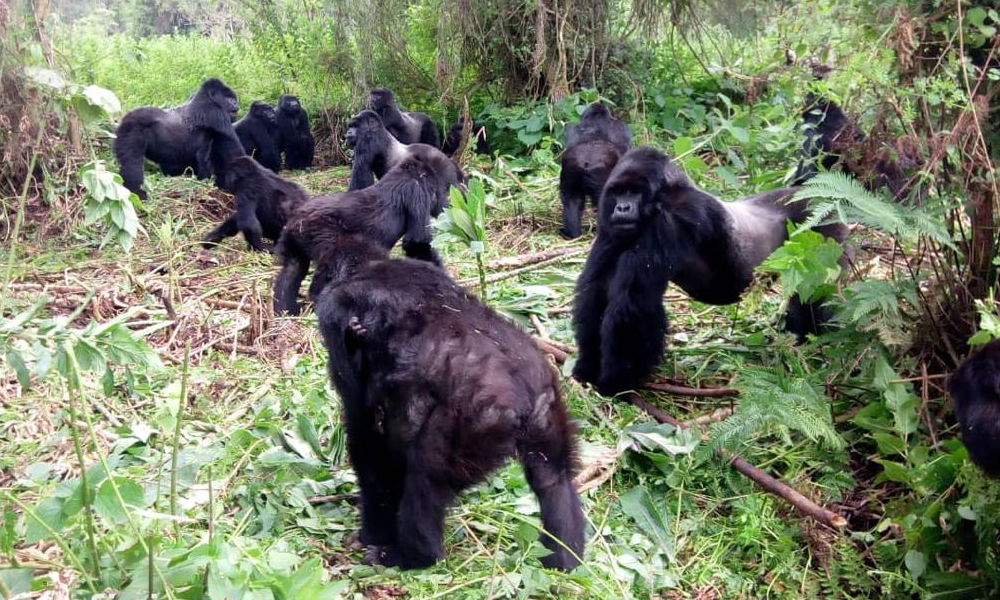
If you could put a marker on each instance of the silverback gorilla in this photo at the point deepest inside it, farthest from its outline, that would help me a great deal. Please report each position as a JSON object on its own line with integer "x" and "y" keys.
{"x": 593, "y": 147}
{"x": 295, "y": 138}
{"x": 264, "y": 203}
{"x": 258, "y": 132}
{"x": 407, "y": 127}
{"x": 376, "y": 150}
{"x": 400, "y": 205}
{"x": 656, "y": 227}
{"x": 180, "y": 138}
{"x": 438, "y": 391}
{"x": 975, "y": 389}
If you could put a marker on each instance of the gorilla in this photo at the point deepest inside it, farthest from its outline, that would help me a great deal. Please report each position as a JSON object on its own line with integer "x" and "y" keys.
{"x": 593, "y": 147}
{"x": 400, "y": 205}
{"x": 295, "y": 138}
{"x": 975, "y": 390}
{"x": 258, "y": 132}
{"x": 179, "y": 138}
{"x": 655, "y": 227}
{"x": 407, "y": 127}
{"x": 376, "y": 151}
{"x": 438, "y": 391}
{"x": 454, "y": 137}
{"x": 264, "y": 203}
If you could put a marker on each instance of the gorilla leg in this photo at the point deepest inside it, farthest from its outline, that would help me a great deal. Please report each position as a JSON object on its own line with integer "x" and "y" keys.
{"x": 228, "y": 228}
{"x": 247, "y": 222}
{"x": 288, "y": 282}
{"x": 131, "y": 155}
{"x": 634, "y": 323}
{"x": 547, "y": 466}
{"x": 572, "y": 203}
{"x": 803, "y": 318}
{"x": 381, "y": 484}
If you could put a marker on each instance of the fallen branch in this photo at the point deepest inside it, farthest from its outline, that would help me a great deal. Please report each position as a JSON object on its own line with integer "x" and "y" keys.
{"x": 495, "y": 277}
{"x": 522, "y": 260}
{"x": 349, "y": 498}
{"x": 802, "y": 504}
{"x": 558, "y": 355}
{"x": 719, "y": 414}
{"x": 686, "y": 391}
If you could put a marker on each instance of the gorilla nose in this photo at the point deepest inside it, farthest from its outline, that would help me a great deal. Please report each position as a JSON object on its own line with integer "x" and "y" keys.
{"x": 625, "y": 210}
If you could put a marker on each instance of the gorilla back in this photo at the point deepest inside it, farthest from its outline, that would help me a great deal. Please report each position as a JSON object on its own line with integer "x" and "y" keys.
{"x": 593, "y": 147}
{"x": 438, "y": 391}
{"x": 975, "y": 390}
{"x": 407, "y": 127}
{"x": 655, "y": 227}
{"x": 179, "y": 138}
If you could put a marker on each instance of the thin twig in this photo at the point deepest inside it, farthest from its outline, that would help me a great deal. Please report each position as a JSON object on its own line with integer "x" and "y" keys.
{"x": 686, "y": 391}
{"x": 523, "y": 260}
{"x": 558, "y": 355}
{"x": 495, "y": 277}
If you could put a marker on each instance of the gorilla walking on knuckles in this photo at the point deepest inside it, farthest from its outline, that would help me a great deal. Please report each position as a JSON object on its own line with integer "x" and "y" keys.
{"x": 198, "y": 135}
{"x": 438, "y": 391}
{"x": 295, "y": 138}
{"x": 400, "y": 205}
{"x": 407, "y": 127}
{"x": 264, "y": 203}
{"x": 656, "y": 227}
{"x": 376, "y": 150}
{"x": 593, "y": 147}
{"x": 258, "y": 132}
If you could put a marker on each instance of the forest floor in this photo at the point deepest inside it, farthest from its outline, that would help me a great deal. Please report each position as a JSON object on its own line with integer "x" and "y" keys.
{"x": 262, "y": 464}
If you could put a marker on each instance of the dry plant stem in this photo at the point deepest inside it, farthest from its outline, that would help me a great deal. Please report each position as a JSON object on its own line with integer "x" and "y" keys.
{"x": 802, "y": 504}
{"x": 719, "y": 414}
{"x": 686, "y": 391}
{"x": 523, "y": 260}
{"x": 175, "y": 452}
{"x": 558, "y": 355}
{"x": 73, "y": 393}
{"x": 495, "y": 277}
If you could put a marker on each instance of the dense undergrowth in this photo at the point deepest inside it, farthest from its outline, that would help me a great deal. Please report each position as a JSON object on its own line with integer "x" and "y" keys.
{"x": 161, "y": 432}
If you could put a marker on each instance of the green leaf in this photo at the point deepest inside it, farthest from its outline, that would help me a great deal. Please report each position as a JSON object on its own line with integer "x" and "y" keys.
{"x": 48, "y": 512}
{"x": 107, "y": 505}
{"x": 637, "y": 504}
{"x": 102, "y": 98}
{"x": 16, "y": 362}
{"x": 916, "y": 563}
{"x": 46, "y": 78}
{"x": 17, "y": 581}
{"x": 664, "y": 437}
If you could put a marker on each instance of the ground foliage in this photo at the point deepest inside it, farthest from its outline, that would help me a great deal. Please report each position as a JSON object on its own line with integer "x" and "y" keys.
{"x": 161, "y": 431}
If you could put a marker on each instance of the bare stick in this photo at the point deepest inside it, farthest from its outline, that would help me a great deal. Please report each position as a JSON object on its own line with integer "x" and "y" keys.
{"x": 558, "y": 355}
{"x": 686, "y": 391}
{"x": 719, "y": 414}
{"x": 802, "y": 504}
{"x": 495, "y": 277}
{"x": 530, "y": 259}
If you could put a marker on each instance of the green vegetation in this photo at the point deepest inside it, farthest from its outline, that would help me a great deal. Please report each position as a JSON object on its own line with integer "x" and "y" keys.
{"x": 161, "y": 432}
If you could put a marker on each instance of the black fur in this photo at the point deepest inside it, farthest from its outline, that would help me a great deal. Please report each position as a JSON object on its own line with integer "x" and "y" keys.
{"x": 407, "y": 127}
{"x": 376, "y": 151}
{"x": 264, "y": 203}
{"x": 438, "y": 391}
{"x": 179, "y": 138}
{"x": 827, "y": 130}
{"x": 593, "y": 147}
{"x": 477, "y": 135}
{"x": 258, "y": 132}
{"x": 400, "y": 205}
{"x": 656, "y": 227}
{"x": 975, "y": 391}
{"x": 295, "y": 138}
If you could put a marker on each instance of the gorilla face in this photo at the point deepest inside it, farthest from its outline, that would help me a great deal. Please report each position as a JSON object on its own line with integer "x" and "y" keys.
{"x": 364, "y": 122}
{"x": 222, "y": 95}
{"x": 289, "y": 104}
{"x": 380, "y": 98}
{"x": 263, "y": 111}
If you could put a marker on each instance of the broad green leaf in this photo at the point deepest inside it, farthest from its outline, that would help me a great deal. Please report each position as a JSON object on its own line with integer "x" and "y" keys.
{"x": 639, "y": 505}
{"x": 107, "y": 505}
{"x": 48, "y": 512}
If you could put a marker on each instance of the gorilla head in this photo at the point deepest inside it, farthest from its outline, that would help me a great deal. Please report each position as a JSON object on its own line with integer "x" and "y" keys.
{"x": 407, "y": 127}
{"x": 258, "y": 132}
{"x": 263, "y": 111}
{"x": 213, "y": 95}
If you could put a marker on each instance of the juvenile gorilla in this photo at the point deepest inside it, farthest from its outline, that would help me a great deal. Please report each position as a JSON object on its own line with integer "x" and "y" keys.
{"x": 477, "y": 136}
{"x": 400, "y": 205}
{"x": 376, "y": 151}
{"x": 264, "y": 203}
{"x": 438, "y": 391}
{"x": 975, "y": 389}
{"x": 407, "y": 127}
{"x": 593, "y": 147}
{"x": 179, "y": 138}
{"x": 258, "y": 132}
{"x": 656, "y": 227}
{"x": 295, "y": 138}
